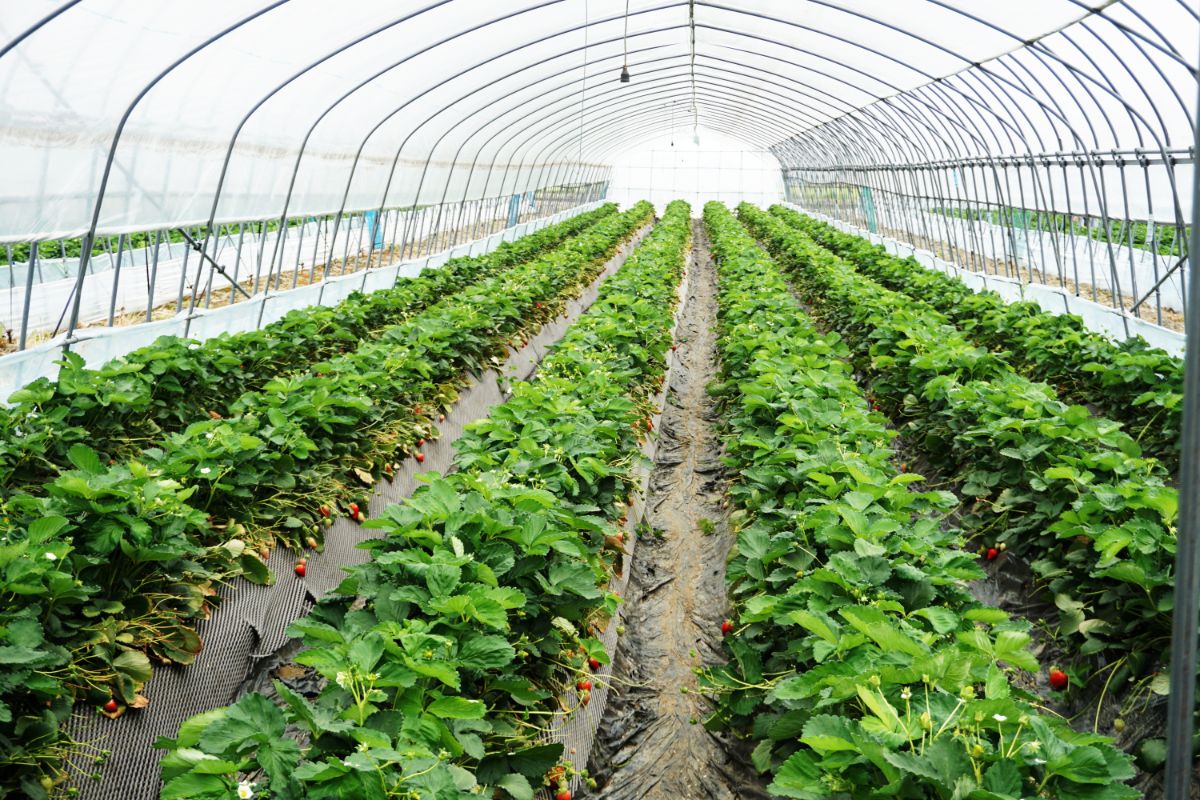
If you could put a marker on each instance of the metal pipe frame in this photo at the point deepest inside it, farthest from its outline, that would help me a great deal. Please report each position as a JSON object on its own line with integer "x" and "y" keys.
{"x": 1036, "y": 129}
{"x": 1141, "y": 40}
{"x": 569, "y": 143}
{"x": 1181, "y": 703}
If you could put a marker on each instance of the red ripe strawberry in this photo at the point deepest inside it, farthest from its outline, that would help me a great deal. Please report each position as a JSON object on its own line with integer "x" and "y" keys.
{"x": 594, "y": 664}
{"x": 726, "y": 627}
{"x": 417, "y": 410}
{"x": 674, "y": 348}
{"x": 585, "y": 697}
{"x": 992, "y": 553}
{"x": 1058, "y": 679}
{"x": 324, "y": 511}
{"x": 420, "y": 442}
{"x": 111, "y": 706}
{"x": 583, "y": 686}
{"x": 565, "y": 794}
{"x": 420, "y": 458}
{"x": 354, "y": 509}
{"x": 649, "y": 424}
{"x": 301, "y": 569}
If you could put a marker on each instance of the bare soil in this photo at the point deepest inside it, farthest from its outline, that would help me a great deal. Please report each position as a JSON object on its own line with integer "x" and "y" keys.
{"x": 651, "y": 743}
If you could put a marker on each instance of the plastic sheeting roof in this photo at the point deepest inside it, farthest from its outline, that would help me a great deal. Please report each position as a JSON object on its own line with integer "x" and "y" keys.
{"x": 236, "y": 109}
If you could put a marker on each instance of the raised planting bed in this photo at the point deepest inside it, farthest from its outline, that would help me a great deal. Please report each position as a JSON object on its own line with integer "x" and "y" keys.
{"x": 110, "y": 571}
{"x": 1130, "y": 382}
{"x": 859, "y": 658}
{"x": 1053, "y": 484}
{"x": 447, "y": 655}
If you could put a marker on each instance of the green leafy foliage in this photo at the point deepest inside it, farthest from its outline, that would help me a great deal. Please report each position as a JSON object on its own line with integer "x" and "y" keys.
{"x": 1131, "y": 382}
{"x": 1069, "y": 491}
{"x": 115, "y": 560}
{"x": 859, "y": 660}
{"x": 131, "y": 401}
{"x": 446, "y": 654}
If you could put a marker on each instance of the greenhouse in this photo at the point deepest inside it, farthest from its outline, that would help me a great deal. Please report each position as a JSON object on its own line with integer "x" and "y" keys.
{"x": 447, "y": 399}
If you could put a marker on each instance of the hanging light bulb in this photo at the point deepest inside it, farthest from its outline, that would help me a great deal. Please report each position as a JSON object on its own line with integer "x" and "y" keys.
{"x": 624, "y": 74}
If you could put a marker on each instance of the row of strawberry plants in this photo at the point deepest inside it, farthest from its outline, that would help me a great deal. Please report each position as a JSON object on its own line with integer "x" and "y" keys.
{"x": 446, "y": 654}
{"x": 1131, "y": 382}
{"x": 113, "y": 565}
{"x": 860, "y": 660}
{"x": 124, "y": 406}
{"x": 1067, "y": 490}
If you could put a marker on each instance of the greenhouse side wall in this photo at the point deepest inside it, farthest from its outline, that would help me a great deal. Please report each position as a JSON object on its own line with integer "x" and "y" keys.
{"x": 1100, "y": 318}
{"x": 101, "y": 344}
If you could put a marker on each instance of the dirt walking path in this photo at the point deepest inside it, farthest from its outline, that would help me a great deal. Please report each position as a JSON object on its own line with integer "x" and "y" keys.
{"x": 652, "y": 743}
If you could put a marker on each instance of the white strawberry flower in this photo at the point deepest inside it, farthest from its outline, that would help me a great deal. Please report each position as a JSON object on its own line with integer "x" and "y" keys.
{"x": 245, "y": 790}
{"x": 999, "y": 717}
{"x": 205, "y": 470}
{"x": 51, "y": 557}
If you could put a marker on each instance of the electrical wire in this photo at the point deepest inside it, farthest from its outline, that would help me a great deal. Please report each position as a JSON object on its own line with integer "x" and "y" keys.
{"x": 695, "y": 108}
{"x": 625, "y": 38}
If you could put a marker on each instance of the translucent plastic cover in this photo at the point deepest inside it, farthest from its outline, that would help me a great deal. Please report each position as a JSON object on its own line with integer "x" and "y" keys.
{"x": 145, "y": 114}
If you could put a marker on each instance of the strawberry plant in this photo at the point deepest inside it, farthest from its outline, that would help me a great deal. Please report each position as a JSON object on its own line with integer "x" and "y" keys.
{"x": 1065, "y": 489}
{"x": 130, "y": 402}
{"x": 444, "y": 653}
{"x": 860, "y": 660}
{"x": 139, "y": 545}
{"x": 1130, "y": 381}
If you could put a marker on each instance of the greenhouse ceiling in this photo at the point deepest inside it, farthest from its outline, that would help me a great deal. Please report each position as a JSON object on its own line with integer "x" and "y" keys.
{"x": 357, "y": 345}
{"x": 182, "y": 113}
